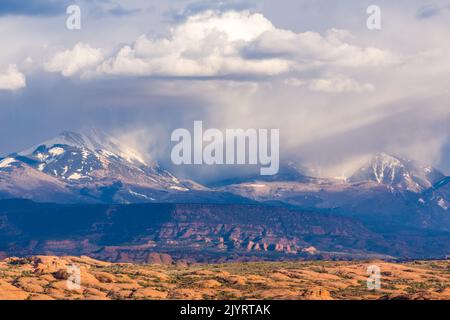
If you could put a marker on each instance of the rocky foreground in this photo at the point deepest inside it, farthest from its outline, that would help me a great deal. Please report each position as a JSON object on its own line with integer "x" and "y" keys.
{"x": 47, "y": 277}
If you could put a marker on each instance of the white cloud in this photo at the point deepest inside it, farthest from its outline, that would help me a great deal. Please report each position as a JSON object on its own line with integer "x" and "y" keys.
{"x": 339, "y": 84}
{"x": 72, "y": 62}
{"x": 311, "y": 49}
{"x": 212, "y": 44}
{"x": 12, "y": 79}
{"x": 294, "y": 82}
{"x": 331, "y": 84}
{"x": 207, "y": 44}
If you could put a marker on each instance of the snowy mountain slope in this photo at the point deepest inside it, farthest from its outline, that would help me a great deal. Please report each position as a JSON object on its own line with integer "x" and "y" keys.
{"x": 287, "y": 172}
{"x": 19, "y": 180}
{"x": 438, "y": 196}
{"x": 81, "y": 158}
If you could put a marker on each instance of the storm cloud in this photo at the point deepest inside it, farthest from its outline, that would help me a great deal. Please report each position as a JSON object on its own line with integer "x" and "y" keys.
{"x": 337, "y": 91}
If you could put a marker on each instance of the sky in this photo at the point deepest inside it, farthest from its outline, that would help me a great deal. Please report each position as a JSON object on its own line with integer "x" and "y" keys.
{"x": 337, "y": 91}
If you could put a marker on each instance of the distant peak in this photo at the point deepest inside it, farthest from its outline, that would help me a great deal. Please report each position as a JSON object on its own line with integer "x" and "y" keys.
{"x": 398, "y": 172}
{"x": 94, "y": 140}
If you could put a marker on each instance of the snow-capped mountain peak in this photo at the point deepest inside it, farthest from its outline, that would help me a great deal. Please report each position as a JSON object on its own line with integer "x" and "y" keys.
{"x": 94, "y": 157}
{"x": 92, "y": 140}
{"x": 89, "y": 165}
{"x": 383, "y": 168}
{"x": 398, "y": 173}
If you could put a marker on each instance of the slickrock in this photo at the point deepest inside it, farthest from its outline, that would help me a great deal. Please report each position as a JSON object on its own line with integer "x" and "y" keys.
{"x": 10, "y": 292}
{"x": 46, "y": 278}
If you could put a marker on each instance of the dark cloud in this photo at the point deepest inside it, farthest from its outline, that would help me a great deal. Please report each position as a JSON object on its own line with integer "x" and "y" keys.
{"x": 219, "y": 5}
{"x": 430, "y": 11}
{"x": 33, "y": 7}
{"x": 52, "y": 104}
{"x": 121, "y": 11}
{"x": 58, "y": 7}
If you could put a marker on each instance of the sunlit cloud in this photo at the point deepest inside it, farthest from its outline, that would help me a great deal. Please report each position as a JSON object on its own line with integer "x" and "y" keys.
{"x": 12, "y": 79}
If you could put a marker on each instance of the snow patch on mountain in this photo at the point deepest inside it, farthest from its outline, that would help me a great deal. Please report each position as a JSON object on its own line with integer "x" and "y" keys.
{"x": 140, "y": 195}
{"x": 75, "y": 176}
{"x": 6, "y": 163}
{"x": 56, "y": 151}
{"x": 442, "y": 203}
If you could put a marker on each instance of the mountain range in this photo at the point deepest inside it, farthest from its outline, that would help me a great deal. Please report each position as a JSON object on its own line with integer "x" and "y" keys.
{"x": 390, "y": 207}
{"x": 386, "y": 189}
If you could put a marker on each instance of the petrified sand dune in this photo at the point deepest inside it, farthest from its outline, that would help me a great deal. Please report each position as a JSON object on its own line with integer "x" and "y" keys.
{"x": 46, "y": 277}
